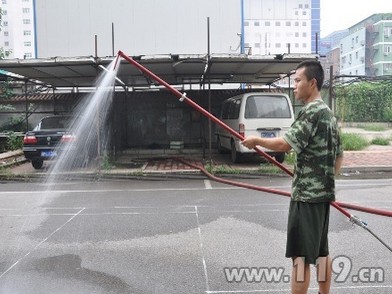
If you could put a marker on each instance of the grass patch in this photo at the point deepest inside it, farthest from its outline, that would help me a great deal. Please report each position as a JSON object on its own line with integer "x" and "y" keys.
{"x": 221, "y": 169}
{"x": 353, "y": 141}
{"x": 269, "y": 168}
{"x": 374, "y": 128}
{"x": 380, "y": 141}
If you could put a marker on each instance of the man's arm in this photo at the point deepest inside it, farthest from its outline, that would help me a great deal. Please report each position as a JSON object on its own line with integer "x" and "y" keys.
{"x": 275, "y": 144}
{"x": 338, "y": 164}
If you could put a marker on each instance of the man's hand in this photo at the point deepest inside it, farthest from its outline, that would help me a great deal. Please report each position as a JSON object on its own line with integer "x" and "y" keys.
{"x": 251, "y": 142}
{"x": 274, "y": 144}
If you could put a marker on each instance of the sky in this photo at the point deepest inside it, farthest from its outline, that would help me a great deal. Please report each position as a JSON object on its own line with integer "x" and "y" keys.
{"x": 338, "y": 15}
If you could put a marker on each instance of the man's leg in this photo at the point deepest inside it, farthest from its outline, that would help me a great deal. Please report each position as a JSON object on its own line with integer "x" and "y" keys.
{"x": 300, "y": 276}
{"x": 324, "y": 274}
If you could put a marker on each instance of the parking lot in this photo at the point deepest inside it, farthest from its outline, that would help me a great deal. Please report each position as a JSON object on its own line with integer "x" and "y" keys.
{"x": 176, "y": 236}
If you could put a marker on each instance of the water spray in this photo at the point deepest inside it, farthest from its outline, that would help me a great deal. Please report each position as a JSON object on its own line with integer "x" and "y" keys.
{"x": 182, "y": 97}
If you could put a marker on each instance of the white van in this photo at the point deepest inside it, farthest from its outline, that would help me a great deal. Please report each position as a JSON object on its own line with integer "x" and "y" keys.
{"x": 257, "y": 114}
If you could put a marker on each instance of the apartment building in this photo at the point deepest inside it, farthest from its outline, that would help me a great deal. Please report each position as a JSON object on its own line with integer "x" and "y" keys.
{"x": 17, "y": 35}
{"x": 367, "y": 49}
{"x": 281, "y": 26}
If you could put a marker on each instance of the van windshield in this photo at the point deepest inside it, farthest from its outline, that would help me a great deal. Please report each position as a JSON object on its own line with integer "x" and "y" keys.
{"x": 267, "y": 107}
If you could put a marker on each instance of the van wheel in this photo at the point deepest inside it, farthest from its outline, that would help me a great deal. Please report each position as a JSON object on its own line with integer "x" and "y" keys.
{"x": 280, "y": 157}
{"x": 37, "y": 163}
{"x": 219, "y": 146}
{"x": 235, "y": 156}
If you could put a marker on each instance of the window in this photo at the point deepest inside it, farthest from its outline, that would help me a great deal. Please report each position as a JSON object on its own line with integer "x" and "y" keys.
{"x": 296, "y": 45}
{"x": 304, "y": 23}
{"x": 278, "y": 45}
{"x": 5, "y": 23}
{"x": 4, "y": 12}
{"x": 387, "y": 31}
{"x": 304, "y": 12}
{"x": 28, "y": 55}
{"x": 246, "y": 23}
{"x": 356, "y": 39}
{"x": 304, "y": 45}
{"x": 267, "y": 23}
{"x": 304, "y": 34}
{"x": 277, "y": 23}
{"x": 296, "y": 12}
{"x": 300, "y": 6}
{"x": 27, "y": 33}
{"x": 306, "y": 5}
{"x": 257, "y": 23}
{"x": 259, "y": 106}
{"x": 26, "y": 10}
{"x": 234, "y": 109}
{"x": 6, "y": 44}
{"x": 296, "y": 24}
{"x": 257, "y": 45}
{"x": 5, "y": 34}
{"x": 297, "y": 35}
{"x": 356, "y": 55}
{"x": 288, "y": 23}
{"x": 26, "y": 21}
{"x": 4, "y": 1}
{"x": 27, "y": 44}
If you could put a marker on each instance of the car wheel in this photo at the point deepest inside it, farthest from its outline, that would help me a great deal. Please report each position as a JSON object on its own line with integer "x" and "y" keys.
{"x": 280, "y": 157}
{"x": 37, "y": 163}
{"x": 235, "y": 156}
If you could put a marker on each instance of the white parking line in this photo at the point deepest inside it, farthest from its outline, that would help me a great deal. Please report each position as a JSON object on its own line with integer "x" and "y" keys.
{"x": 288, "y": 290}
{"x": 202, "y": 250}
{"x": 207, "y": 184}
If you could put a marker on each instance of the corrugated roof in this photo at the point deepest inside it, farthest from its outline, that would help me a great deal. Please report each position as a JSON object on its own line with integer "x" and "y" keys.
{"x": 175, "y": 69}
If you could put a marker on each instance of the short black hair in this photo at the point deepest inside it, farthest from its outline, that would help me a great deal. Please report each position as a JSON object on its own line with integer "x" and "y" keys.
{"x": 313, "y": 70}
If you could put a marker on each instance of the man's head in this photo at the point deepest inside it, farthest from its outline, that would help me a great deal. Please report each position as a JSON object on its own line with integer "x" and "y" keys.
{"x": 309, "y": 78}
{"x": 313, "y": 70}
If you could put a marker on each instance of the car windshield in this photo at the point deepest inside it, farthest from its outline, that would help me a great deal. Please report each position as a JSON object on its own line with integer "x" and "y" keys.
{"x": 59, "y": 122}
{"x": 267, "y": 107}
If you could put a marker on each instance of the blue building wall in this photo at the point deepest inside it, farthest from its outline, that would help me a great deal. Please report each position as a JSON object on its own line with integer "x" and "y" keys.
{"x": 315, "y": 25}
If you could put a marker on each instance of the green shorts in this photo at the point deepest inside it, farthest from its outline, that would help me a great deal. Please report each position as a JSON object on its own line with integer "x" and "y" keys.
{"x": 307, "y": 230}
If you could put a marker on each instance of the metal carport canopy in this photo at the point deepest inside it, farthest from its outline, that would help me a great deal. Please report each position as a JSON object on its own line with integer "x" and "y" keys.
{"x": 175, "y": 69}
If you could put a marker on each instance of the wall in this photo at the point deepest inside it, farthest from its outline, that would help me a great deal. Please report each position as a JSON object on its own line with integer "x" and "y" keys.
{"x": 68, "y": 28}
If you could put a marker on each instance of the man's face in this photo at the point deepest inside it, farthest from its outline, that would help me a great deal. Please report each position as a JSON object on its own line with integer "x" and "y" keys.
{"x": 302, "y": 87}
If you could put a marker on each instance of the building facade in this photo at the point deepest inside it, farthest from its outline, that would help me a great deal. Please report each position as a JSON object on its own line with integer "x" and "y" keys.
{"x": 281, "y": 26}
{"x": 367, "y": 49}
{"x": 17, "y": 35}
{"x": 138, "y": 27}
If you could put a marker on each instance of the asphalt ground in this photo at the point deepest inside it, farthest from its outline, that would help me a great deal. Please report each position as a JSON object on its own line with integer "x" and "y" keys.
{"x": 176, "y": 236}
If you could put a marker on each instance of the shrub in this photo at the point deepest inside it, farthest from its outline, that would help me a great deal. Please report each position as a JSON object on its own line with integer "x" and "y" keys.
{"x": 14, "y": 142}
{"x": 380, "y": 141}
{"x": 353, "y": 141}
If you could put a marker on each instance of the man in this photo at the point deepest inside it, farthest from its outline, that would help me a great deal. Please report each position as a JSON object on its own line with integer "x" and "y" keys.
{"x": 315, "y": 139}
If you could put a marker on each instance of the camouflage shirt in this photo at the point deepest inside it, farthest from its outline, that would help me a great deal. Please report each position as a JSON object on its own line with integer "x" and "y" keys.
{"x": 315, "y": 138}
